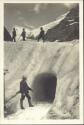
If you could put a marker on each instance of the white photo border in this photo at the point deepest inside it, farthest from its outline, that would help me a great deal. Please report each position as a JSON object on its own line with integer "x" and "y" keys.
{"x": 2, "y": 119}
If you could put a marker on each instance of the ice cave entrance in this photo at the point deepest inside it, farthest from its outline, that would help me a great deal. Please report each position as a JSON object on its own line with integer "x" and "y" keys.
{"x": 44, "y": 87}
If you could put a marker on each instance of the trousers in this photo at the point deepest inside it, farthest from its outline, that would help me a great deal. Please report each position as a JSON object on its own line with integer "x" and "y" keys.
{"x": 23, "y": 95}
{"x": 14, "y": 38}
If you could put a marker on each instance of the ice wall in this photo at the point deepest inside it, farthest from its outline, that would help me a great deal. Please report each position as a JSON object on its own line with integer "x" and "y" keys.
{"x": 31, "y": 58}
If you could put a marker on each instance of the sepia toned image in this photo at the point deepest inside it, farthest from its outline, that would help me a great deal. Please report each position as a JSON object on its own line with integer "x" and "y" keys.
{"x": 41, "y": 61}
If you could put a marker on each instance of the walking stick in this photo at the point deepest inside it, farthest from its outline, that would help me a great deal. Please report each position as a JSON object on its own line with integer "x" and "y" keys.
{"x": 19, "y": 38}
{"x": 13, "y": 96}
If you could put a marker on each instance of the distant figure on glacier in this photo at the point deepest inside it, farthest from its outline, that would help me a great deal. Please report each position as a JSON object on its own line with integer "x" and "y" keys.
{"x": 23, "y": 34}
{"x": 14, "y": 35}
{"x": 24, "y": 90}
{"x": 42, "y": 34}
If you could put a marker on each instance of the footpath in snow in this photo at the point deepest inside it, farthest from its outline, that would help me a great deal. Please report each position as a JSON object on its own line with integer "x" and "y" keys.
{"x": 38, "y": 112}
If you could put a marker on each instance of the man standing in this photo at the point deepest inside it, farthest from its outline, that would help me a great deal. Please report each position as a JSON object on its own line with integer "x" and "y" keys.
{"x": 41, "y": 35}
{"x": 14, "y": 35}
{"x": 23, "y": 34}
{"x": 24, "y": 90}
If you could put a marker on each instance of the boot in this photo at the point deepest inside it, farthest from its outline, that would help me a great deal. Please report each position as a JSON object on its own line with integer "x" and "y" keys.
{"x": 30, "y": 104}
{"x": 22, "y": 108}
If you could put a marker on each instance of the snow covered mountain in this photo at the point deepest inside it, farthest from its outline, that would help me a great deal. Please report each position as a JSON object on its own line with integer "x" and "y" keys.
{"x": 31, "y": 32}
{"x": 35, "y": 32}
{"x": 67, "y": 29}
{"x": 64, "y": 28}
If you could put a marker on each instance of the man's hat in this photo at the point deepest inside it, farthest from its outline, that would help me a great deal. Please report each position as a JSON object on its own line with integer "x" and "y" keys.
{"x": 24, "y": 77}
{"x": 41, "y": 28}
{"x": 14, "y": 28}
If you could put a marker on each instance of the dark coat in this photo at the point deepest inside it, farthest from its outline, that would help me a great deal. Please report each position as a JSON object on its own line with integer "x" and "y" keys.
{"x": 24, "y": 88}
{"x": 41, "y": 34}
{"x": 14, "y": 33}
{"x": 23, "y": 34}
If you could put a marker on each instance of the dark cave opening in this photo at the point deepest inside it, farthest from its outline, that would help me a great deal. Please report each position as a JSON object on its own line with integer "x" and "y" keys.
{"x": 44, "y": 87}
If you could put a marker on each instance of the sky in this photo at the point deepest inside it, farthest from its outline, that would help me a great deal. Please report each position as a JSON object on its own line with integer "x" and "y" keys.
{"x": 32, "y": 15}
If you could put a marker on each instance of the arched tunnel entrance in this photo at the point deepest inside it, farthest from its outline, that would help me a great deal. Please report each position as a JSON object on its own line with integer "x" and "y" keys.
{"x": 44, "y": 86}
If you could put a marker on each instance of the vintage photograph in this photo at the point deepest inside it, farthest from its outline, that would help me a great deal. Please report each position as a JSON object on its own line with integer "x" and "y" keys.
{"x": 41, "y": 61}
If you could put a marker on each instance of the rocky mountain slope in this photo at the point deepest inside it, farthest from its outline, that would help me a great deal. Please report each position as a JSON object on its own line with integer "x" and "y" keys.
{"x": 48, "y": 26}
{"x": 67, "y": 29}
{"x": 7, "y": 36}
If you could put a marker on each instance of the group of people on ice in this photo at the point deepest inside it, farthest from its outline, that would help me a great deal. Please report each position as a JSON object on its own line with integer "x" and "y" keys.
{"x": 23, "y": 34}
